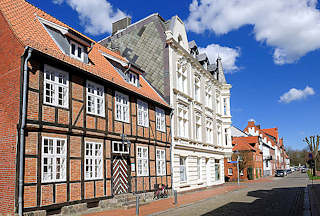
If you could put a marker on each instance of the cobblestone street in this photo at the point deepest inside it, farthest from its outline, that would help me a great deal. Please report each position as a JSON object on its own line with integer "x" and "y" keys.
{"x": 281, "y": 196}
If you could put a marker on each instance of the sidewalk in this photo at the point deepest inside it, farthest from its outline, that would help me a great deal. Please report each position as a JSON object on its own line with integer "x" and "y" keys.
{"x": 314, "y": 191}
{"x": 184, "y": 198}
{"x": 165, "y": 204}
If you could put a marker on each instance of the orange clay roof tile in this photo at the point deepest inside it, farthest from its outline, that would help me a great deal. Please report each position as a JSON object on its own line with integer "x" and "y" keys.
{"x": 22, "y": 19}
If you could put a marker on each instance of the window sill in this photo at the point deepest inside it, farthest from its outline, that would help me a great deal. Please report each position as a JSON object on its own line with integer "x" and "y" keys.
{"x": 128, "y": 122}
{"x": 56, "y": 106}
{"x": 94, "y": 114}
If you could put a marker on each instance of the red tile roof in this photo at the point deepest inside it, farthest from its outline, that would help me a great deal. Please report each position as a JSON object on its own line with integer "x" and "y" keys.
{"x": 22, "y": 19}
{"x": 272, "y": 131}
{"x": 243, "y": 143}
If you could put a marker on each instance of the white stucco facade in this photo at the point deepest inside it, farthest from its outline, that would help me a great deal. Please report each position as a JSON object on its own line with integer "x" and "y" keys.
{"x": 201, "y": 135}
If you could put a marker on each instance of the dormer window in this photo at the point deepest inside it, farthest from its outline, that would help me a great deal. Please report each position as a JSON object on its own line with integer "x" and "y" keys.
{"x": 76, "y": 50}
{"x": 133, "y": 78}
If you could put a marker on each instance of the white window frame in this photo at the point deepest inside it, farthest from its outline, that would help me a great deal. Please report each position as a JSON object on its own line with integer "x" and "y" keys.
{"x": 208, "y": 97}
{"x": 219, "y": 135}
{"x": 199, "y": 168}
{"x": 160, "y": 120}
{"x": 120, "y": 147}
{"x": 183, "y": 169}
{"x": 142, "y": 161}
{"x": 182, "y": 78}
{"x": 93, "y": 155}
{"x": 96, "y": 93}
{"x": 75, "y": 55}
{"x": 53, "y": 155}
{"x": 122, "y": 107}
{"x": 198, "y": 128}
{"x": 209, "y": 131}
{"x": 197, "y": 89}
{"x": 230, "y": 173}
{"x": 55, "y": 80}
{"x": 143, "y": 116}
{"x": 183, "y": 121}
{"x": 161, "y": 162}
{"x": 133, "y": 78}
{"x": 225, "y": 111}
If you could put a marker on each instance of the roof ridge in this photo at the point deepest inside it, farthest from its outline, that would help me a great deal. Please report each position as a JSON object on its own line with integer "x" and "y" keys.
{"x": 43, "y": 11}
{"x": 11, "y": 28}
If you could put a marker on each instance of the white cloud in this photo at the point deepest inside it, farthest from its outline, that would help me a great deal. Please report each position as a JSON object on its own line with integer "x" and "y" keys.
{"x": 96, "y": 16}
{"x": 228, "y": 56}
{"x": 290, "y": 27}
{"x": 250, "y": 120}
{"x": 59, "y": 2}
{"x": 296, "y": 94}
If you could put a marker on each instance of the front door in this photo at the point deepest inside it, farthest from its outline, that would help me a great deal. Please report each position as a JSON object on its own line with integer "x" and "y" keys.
{"x": 120, "y": 175}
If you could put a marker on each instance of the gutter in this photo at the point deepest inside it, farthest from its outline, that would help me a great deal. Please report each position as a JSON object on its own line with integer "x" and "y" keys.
{"x": 22, "y": 128}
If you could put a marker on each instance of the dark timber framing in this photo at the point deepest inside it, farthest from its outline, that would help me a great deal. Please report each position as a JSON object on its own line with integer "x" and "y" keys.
{"x": 101, "y": 130}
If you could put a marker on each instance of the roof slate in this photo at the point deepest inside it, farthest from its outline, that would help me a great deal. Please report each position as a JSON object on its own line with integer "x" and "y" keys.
{"x": 22, "y": 17}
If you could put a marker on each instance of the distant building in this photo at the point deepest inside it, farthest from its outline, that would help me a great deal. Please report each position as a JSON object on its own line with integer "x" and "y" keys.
{"x": 250, "y": 156}
{"x": 194, "y": 87}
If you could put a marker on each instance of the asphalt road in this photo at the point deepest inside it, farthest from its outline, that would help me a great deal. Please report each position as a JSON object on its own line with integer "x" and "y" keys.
{"x": 283, "y": 196}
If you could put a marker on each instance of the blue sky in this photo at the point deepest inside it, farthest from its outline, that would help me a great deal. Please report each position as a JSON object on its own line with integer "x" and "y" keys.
{"x": 270, "y": 51}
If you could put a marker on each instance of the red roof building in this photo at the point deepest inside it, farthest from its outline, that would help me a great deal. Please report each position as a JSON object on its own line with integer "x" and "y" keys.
{"x": 80, "y": 124}
{"x": 248, "y": 148}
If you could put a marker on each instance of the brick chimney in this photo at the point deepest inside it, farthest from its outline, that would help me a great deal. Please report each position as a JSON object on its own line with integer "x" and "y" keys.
{"x": 120, "y": 24}
{"x": 250, "y": 123}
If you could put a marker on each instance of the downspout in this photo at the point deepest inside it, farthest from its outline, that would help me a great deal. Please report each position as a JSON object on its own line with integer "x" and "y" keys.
{"x": 171, "y": 147}
{"x": 23, "y": 124}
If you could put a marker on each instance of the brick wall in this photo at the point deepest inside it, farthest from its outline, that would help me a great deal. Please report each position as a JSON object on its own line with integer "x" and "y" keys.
{"x": 10, "y": 53}
{"x": 75, "y": 125}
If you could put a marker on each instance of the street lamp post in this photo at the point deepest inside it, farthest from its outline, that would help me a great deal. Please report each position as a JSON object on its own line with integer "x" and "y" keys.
{"x": 238, "y": 170}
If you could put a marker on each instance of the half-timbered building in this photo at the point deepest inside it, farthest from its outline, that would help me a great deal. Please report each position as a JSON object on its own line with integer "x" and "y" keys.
{"x": 80, "y": 123}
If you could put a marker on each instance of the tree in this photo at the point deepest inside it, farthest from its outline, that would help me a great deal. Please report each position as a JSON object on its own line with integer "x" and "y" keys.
{"x": 244, "y": 159}
{"x": 313, "y": 144}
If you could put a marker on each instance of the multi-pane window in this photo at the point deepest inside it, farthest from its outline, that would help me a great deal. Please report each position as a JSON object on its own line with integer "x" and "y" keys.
{"x": 142, "y": 161}
{"x": 93, "y": 160}
{"x": 209, "y": 131}
{"x": 56, "y": 87}
{"x": 230, "y": 171}
{"x": 122, "y": 107}
{"x": 219, "y": 135}
{"x": 208, "y": 97}
{"x": 217, "y": 170}
{"x": 143, "y": 117}
{"x": 224, "y": 106}
{"x": 183, "y": 169}
{"x": 161, "y": 162}
{"x": 160, "y": 119}
{"x": 133, "y": 78}
{"x": 53, "y": 159}
{"x": 197, "y": 89}
{"x": 182, "y": 77}
{"x": 226, "y": 136}
{"x": 218, "y": 106}
{"x": 76, "y": 50}
{"x": 120, "y": 147}
{"x": 198, "y": 128}
{"x": 199, "y": 168}
{"x": 95, "y": 99}
{"x": 183, "y": 121}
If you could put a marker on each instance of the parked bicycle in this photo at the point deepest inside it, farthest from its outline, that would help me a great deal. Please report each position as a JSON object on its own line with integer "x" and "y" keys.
{"x": 160, "y": 191}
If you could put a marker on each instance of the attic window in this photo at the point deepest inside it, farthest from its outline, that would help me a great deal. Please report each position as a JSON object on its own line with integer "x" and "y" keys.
{"x": 133, "y": 78}
{"x": 76, "y": 50}
{"x": 180, "y": 40}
